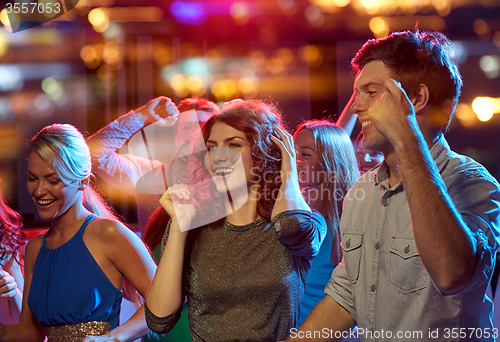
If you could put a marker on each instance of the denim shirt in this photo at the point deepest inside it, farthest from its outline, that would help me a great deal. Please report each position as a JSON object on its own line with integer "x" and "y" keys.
{"x": 382, "y": 281}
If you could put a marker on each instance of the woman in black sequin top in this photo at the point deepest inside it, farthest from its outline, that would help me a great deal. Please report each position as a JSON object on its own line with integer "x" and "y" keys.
{"x": 243, "y": 271}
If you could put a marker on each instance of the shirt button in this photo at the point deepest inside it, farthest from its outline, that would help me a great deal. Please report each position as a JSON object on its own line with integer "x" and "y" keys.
{"x": 407, "y": 249}
{"x": 385, "y": 202}
{"x": 373, "y": 287}
{"x": 348, "y": 243}
{"x": 377, "y": 246}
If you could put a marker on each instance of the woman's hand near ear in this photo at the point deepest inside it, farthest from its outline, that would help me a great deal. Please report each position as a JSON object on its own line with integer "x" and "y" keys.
{"x": 290, "y": 196}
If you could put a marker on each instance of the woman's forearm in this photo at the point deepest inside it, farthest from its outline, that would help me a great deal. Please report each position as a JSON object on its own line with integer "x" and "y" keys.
{"x": 289, "y": 198}
{"x": 15, "y": 304}
{"x": 165, "y": 294}
{"x": 132, "y": 329}
{"x": 20, "y": 332}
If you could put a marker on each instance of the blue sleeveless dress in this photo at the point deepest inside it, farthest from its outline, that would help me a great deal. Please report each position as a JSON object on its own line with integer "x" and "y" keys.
{"x": 319, "y": 275}
{"x": 69, "y": 287}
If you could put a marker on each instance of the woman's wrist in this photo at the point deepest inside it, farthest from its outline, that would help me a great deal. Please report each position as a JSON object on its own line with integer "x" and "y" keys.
{"x": 290, "y": 184}
{"x": 140, "y": 115}
{"x": 290, "y": 197}
{"x": 175, "y": 229}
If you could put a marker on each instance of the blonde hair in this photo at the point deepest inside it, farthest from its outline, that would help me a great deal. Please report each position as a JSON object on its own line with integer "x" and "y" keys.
{"x": 64, "y": 148}
{"x": 336, "y": 155}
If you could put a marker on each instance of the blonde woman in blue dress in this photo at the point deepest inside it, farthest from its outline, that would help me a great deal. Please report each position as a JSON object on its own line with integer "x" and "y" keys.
{"x": 77, "y": 268}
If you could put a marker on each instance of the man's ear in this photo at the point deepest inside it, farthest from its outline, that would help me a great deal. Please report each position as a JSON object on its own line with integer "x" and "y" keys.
{"x": 421, "y": 99}
{"x": 84, "y": 183}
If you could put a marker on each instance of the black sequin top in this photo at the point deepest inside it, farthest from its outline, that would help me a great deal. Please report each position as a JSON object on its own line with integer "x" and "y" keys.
{"x": 245, "y": 283}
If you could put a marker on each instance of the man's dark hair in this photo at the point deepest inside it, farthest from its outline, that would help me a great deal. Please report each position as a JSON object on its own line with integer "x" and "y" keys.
{"x": 418, "y": 57}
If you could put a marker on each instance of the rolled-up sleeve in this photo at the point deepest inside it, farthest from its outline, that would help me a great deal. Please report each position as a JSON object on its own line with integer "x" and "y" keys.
{"x": 300, "y": 231}
{"x": 477, "y": 199}
{"x": 340, "y": 290}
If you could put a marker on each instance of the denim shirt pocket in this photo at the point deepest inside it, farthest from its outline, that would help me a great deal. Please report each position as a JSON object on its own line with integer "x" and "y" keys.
{"x": 352, "y": 243}
{"x": 405, "y": 271}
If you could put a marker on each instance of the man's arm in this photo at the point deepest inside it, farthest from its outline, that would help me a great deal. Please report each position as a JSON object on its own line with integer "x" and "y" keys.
{"x": 327, "y": 316}
{"x": 334, "y": 313}
{"x": 445, "y": 244}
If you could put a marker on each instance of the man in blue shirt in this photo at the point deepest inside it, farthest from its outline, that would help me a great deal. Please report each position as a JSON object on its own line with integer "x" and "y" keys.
{"x": 421, "y": 230}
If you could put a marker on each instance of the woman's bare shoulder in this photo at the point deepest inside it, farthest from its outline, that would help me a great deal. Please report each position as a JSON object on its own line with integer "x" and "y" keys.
{"x": 109, "y": 231}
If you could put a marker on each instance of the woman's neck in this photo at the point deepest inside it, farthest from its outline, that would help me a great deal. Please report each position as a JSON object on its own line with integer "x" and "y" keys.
{"x": 245, "y": 214}
{"x": 70, "y": 220}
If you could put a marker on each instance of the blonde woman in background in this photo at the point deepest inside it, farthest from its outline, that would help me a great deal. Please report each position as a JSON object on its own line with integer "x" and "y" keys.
{"x": 327, "y": 170}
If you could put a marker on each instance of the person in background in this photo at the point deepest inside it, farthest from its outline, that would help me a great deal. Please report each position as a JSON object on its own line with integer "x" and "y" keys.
{"x": 11, "y": 260}
{"x": 420, "y": 231}
{"x": 367, "y": 159}
{"x": 123, "y": 171}
{"x": 77, "y": 268}
{"x": 243, "y": 274}
{"x": 327, "y": 170}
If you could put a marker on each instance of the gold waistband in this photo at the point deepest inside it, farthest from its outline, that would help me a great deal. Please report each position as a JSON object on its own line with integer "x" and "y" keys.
{"x": 76, "y": 332}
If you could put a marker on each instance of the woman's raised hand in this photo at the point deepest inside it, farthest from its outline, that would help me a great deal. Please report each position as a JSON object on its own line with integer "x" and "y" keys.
{"x": 178, "y": 204}
{"x": 288, "y": 154}
{"x": 290, "y": 197}
{"x": 8, "y": 285}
